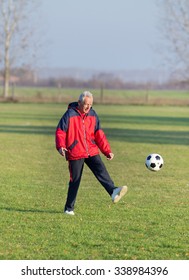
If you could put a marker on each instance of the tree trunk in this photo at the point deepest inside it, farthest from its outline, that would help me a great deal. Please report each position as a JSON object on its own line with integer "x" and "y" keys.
{"x": 6, "y": 71}
{"x": 6, "y": 83}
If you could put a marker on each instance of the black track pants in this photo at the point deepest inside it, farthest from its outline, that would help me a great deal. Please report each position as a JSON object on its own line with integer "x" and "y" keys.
{"x": 76, "y": 169}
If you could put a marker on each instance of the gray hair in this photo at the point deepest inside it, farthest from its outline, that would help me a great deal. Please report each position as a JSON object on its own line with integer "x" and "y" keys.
{"x": 85, "y": 94}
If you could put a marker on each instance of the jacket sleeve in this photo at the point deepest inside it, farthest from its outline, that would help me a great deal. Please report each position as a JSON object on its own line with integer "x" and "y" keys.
{"x": 61, "y": 131}
{"x": 101, "y": 140}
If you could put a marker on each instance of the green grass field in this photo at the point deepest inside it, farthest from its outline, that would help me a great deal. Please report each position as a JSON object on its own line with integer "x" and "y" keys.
{"x": 49, "y": 92}
{"x": 131, "y": 97}
{"x": 151, "y": 222}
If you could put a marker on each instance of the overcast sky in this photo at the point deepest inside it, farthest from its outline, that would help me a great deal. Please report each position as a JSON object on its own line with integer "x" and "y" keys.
{"x": 101, "y": 34}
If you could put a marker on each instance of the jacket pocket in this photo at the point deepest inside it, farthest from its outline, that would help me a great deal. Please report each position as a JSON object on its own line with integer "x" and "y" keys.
{"x": 93, "y": 141}
{"x": 73, "y": 145}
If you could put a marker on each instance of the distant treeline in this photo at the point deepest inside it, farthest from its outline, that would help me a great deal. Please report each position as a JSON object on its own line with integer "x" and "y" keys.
{"x": 27, "y": 77}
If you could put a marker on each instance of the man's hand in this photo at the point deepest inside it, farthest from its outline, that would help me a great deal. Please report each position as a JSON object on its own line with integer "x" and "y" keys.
{"x": 62, "y": 151}
{"x": 110, "y": 156}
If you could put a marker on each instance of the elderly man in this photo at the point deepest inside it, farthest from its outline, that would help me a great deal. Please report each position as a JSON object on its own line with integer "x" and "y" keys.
{"x": 79, "y": 138}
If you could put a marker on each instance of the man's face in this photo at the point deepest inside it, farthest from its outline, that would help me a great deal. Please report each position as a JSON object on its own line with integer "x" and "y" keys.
{"x": 86, "y": 105}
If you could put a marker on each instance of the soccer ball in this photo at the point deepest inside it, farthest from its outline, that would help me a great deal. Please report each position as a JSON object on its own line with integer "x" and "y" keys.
{"x": 154, "y": 162}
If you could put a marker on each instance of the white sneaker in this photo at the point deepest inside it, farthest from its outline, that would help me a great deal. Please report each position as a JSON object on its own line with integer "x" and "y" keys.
{"x": 69, "y": 212}
{"x": 118, "y": 193}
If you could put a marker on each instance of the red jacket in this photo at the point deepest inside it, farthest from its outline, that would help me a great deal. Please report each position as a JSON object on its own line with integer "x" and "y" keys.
{"x": 81, "y": 136}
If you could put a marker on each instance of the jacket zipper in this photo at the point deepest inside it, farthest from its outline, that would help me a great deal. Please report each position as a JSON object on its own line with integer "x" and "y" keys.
{"x": 85, "y": 138}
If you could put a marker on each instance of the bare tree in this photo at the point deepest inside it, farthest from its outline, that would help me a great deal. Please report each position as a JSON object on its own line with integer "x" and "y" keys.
{"x": 175, "y": 31}
{"x": 15, "y": 33}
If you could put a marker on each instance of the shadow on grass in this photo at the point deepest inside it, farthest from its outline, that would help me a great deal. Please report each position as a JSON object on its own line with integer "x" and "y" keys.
{"x": 11, "y": 209}
{"x": 148, "y": 136}
{"x": 125, "y": 119}
{"x": 176, "y": 137}
{"x": 28, "y": 129}
{"x": 146, "y": 120}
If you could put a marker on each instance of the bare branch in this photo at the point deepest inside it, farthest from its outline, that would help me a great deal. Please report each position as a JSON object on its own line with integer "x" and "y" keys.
{"x": 15, "y": 33}
{"x": 175, "y": 30}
